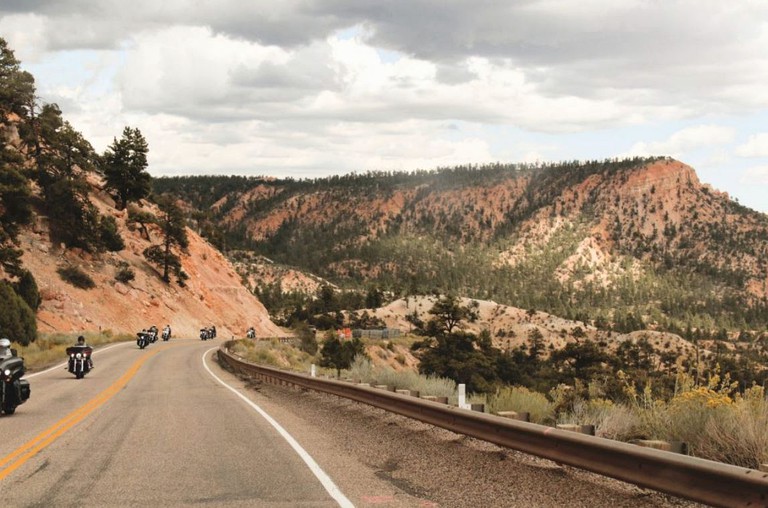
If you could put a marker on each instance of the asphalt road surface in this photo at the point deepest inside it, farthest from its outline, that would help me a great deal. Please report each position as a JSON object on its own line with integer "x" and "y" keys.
{"x": 152, "y": 427}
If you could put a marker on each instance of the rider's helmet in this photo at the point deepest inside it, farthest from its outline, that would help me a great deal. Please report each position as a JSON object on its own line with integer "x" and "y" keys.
{"x": 5, "y": 346}
{"x": 81, "y": 340}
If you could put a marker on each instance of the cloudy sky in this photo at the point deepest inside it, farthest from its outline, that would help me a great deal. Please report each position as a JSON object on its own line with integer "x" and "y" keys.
{"x": 306, "y": 88}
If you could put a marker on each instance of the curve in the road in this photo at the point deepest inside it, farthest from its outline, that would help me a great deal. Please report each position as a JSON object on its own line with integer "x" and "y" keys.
{"x": 324, "y": 479}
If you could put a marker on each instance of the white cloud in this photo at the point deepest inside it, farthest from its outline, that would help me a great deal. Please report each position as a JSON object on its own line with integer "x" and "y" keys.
{"x": 686, "y": 140}
{"x": 756, "y": 146}
{"x": 25, "y": 35}
{"x": 756, "y": 175}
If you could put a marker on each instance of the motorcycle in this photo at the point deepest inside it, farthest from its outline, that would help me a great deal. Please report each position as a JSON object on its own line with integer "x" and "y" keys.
{"x": 205, "y": 334}
{"x": 13, "y": 390}
{"x": 79, "y": 360}
{"x": 166, "y": 334}
{"x": 143, "y": 339}
{"x": 153, "y": 334}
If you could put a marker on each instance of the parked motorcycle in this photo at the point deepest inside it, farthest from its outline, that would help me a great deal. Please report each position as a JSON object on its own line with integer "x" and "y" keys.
{"x": 13, "y": 390}
{"x": 79, "y": 360}
{"x": 143, "y": 339}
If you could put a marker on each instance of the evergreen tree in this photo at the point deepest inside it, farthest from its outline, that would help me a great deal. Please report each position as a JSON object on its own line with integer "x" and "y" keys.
{"x": 17, "y": 320}
{"x": 173, "y": 228}
{"x": 110, "y": 236}
{"x": 17, "y": 87}
{"x": 74, "y": 219}
{"x": 15, "y": 210}
{"x": 307, "y": 336}
{"x": 448, "y": 313}
{"x": 374, "y": 298}
{"x": 124, "y": 165}
{"x": 338, "y": 354}
{"x": 26, "y": 288}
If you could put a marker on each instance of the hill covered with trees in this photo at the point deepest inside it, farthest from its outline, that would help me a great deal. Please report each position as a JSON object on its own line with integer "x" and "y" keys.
{"x": 631, "y": 243}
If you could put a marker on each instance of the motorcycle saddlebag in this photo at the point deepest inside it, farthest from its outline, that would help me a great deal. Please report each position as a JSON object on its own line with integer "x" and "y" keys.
{"x": 24, "y": 390}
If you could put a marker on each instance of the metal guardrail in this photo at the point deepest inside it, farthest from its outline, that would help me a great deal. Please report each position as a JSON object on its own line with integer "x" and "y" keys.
{"x": 690, "y": 478}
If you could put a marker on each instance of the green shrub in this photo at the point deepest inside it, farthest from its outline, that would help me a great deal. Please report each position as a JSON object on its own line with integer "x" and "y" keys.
{"x": 124, "y": 273}
{"x": 17, "y": 320}
{"x": 110, "y": 236}
{"x": 76, "y": 277}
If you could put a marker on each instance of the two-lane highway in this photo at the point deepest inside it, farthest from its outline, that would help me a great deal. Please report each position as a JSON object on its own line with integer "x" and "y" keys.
{"x": 149, "y": 427}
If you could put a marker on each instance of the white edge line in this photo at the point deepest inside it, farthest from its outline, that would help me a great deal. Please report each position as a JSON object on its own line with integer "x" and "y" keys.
{"x": 60, "y": 365}
{"x": 330, "y": 487}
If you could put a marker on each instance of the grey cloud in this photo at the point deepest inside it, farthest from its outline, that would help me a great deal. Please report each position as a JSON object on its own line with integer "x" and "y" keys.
{"x": 308, "y": 70}
{"x": 454, "y": 74}
{"x": 641, "y": 53}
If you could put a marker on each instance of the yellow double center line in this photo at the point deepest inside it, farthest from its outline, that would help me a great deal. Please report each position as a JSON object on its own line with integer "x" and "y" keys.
{"x": 15, "y": 460}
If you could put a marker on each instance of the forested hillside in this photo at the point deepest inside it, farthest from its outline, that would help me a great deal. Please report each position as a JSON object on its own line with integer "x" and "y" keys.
{"x": 595, "y": 240}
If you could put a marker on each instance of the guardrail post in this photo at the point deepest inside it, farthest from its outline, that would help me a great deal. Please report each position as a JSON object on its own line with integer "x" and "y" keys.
{"x": 463, "y": 397}
{"x": 668, "y": 446}
{"x": 523, "y": 416}
{"x": 313, "y": 370}
{"x": 574, "y": 427}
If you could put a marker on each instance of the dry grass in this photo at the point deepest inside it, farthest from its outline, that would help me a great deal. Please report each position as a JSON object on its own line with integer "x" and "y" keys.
{"x": 273, "y": 353}
{"x": 364, "y": 371}
{"x": 739, "y": 435}
{"x": 520, "y": 399}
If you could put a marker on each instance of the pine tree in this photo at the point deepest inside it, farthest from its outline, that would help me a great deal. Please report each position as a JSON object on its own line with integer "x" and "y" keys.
{"x": 173, "y": 227}
{"x": 124, "y": 165}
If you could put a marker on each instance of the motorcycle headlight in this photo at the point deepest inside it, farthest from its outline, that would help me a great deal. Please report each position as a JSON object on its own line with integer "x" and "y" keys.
{"x": 72, "y": 355}
{"x": 7, "y": 372}
{"x": 78, "y": 356}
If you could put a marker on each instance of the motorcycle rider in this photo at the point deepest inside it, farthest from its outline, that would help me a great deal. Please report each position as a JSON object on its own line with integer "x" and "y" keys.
{"x": 5, "y": 349}
{"x": 81, "y": 343}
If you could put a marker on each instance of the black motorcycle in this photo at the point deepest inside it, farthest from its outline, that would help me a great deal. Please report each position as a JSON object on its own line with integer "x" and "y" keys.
{"x": 166, "y": 334}
{"x": 79, "y": 360}
{"x": 143, "y": 339}
{"x": 205, "y": 334}
{"x": 13, "y": 390}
